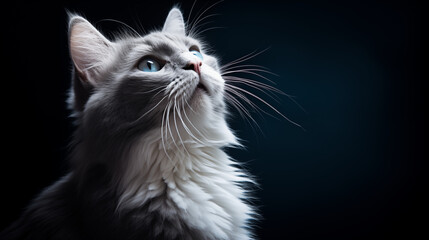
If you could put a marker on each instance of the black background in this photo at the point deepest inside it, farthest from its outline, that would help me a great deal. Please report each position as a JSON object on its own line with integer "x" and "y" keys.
{"x": 357, "y": 171}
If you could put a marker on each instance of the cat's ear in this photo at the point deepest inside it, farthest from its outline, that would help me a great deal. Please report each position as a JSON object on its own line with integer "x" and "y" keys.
{"x": 174, "y": 23}
{"x": 89, "y": 49}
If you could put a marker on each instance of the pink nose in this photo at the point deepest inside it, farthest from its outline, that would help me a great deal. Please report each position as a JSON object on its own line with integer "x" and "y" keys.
{"x": 194, "y": 65}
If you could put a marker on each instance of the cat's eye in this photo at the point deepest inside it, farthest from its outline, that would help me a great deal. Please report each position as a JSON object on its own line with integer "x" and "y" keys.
{"x": 149, "y": 65}
{"x": 195, "y": 51}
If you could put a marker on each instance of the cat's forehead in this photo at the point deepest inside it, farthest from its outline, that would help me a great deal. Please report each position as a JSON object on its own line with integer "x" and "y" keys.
{"x": 166, "y": 42}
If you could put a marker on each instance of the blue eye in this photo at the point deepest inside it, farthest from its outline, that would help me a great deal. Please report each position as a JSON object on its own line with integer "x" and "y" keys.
{"x": 149, "y": 65}
{"x": 196, "y": 53}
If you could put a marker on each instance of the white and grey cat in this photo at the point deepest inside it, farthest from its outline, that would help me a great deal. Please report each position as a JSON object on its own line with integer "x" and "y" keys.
{"x": 147, "y": 161}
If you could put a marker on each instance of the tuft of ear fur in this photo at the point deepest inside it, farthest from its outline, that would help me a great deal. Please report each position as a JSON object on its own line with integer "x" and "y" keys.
{"x": 174, "y": 23}
{"x": 89, "y": 49}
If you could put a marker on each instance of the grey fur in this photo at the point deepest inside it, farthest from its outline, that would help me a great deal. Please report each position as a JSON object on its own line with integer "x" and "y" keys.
{"x": 111, "y": 116}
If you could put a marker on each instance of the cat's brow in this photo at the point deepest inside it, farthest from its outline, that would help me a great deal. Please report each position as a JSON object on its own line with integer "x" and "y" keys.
{"x": 165, "y": 44}
{"x": 162, "y": 44}
{"x": 164, "y": 48}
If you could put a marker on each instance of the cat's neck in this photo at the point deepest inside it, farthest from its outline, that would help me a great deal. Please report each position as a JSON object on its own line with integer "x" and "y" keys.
{"x": 197, "y": 181}
{"x": 159, "y": 162}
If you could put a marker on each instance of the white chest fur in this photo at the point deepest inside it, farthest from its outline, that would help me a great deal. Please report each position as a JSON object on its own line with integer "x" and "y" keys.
{"x": 199, "y": 184}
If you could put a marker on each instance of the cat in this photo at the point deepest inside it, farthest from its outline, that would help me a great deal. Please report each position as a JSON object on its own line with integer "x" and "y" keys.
{"x": 147, "y": 160}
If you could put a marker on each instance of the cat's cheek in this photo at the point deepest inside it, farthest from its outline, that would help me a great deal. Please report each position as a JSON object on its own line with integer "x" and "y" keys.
{"x": 212, "y": 62}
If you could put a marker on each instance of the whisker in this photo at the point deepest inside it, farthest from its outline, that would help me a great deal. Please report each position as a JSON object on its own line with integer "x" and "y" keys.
{"x": 254, "y": 82}
{"x": 238, "y": 105}
{"x": 249, "y": 82}
{"x": 163, "y": 140}
{"x": 244, "y": 65}
{"x": 120, "y": 22}
{"x": 152, "y": 90}
{"x": 255, "y": 107}
{"x": 209, "y": 29}
{"x": 186, "y": 127}
{"x": 140, "y": 26}
{"x": 258, "y": 86}
{"x": 190, "y": 12}
{"x": 245, "y": 114}
{"x": 248, "y": 72}
{"x": 194, "y": 30}
{"x": 239, "y": 60}
{"x": 206, "y": 17}
{"x": 267, "y": 104}
{"x": 169, "y": 127}
{"x": 243, "y": 58}
{"x": 150, "y": 110}
{"x": 190, "y": 122}
{"x": 175, "y": 109}
{"x": 200, "y": 15}
{"x": 196, "y": 33}
{"x": 190, "y": 107}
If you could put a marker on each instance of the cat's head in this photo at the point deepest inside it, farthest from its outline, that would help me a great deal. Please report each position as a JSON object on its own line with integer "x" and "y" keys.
{"x": 163, "y": 80}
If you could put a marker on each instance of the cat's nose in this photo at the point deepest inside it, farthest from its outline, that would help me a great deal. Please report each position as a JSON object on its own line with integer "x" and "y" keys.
{"x": 194, "y": 65}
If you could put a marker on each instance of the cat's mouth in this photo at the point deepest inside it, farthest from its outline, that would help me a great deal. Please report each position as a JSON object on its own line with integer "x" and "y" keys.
{"x": 202, "y": 87}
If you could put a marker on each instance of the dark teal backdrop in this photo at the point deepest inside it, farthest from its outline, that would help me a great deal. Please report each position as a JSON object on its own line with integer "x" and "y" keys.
{"x": 357, "y": 171}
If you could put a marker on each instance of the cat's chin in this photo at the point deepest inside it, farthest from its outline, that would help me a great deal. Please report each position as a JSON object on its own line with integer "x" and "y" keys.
{"x": 200, "y": 97}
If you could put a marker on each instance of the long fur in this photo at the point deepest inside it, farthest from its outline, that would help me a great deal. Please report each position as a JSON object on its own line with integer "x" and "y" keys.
{"x": 148, "y": 159}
